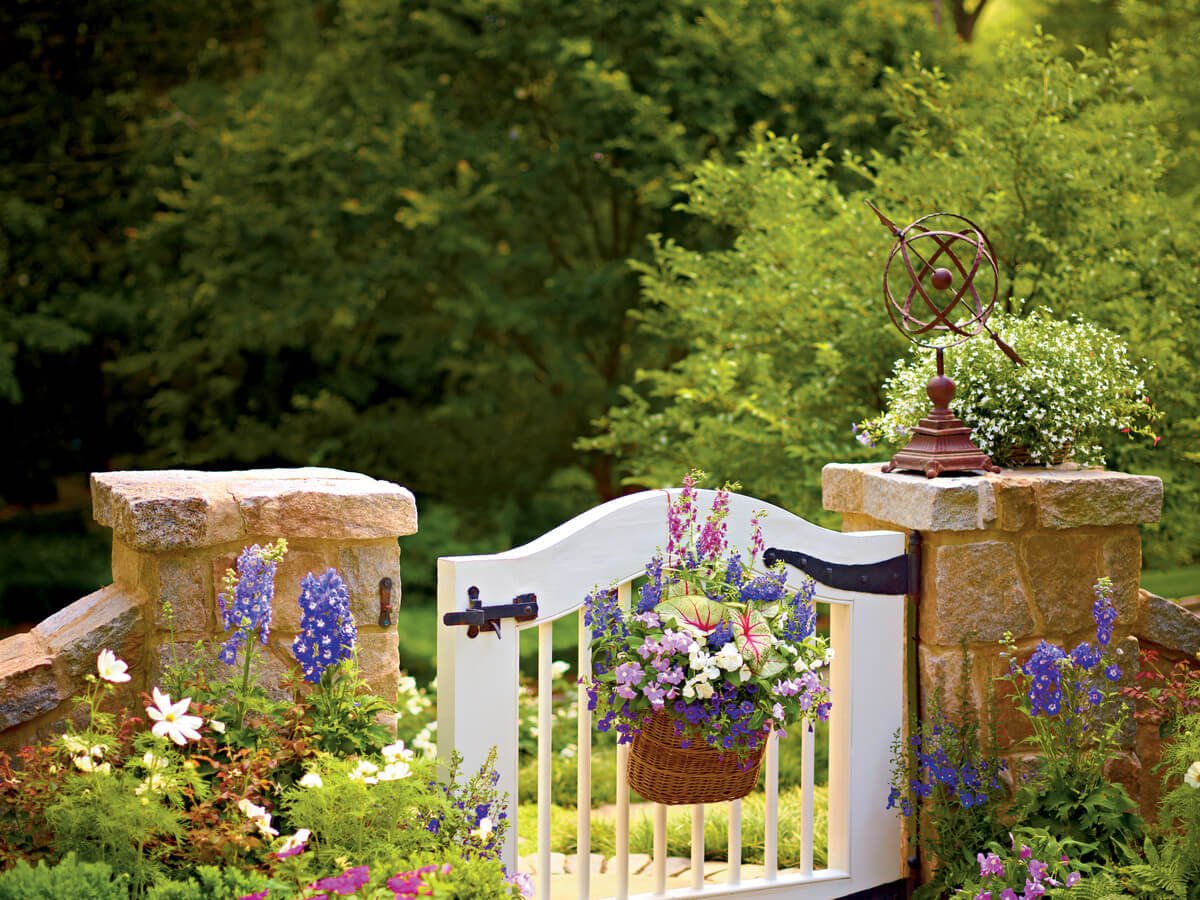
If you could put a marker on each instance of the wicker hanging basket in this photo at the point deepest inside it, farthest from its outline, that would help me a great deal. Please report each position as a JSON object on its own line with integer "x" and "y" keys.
{"x": 663, "y": 771}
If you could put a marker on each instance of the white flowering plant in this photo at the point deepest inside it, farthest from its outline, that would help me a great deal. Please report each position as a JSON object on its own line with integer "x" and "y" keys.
{"x": 727, "y": 652}
{"x": 1079, "y": 386}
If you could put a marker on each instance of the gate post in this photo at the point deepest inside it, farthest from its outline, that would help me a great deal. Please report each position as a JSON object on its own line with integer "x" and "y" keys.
{"x": 1019, "y": 552}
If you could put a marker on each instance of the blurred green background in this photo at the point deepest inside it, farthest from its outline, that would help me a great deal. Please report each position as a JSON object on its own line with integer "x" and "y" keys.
{"x": 524, "y": 255}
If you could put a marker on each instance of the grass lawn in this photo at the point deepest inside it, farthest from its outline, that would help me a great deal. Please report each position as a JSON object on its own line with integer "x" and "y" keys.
{"x": 1181, "y": 581}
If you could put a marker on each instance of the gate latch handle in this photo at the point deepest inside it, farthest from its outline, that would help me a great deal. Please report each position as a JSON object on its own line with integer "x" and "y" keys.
{"x": 478, "y": 617}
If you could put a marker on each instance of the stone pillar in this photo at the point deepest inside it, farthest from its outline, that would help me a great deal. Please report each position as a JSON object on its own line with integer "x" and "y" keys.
{"x": 174, "y": 535}
{"x": 1018, "y": 552}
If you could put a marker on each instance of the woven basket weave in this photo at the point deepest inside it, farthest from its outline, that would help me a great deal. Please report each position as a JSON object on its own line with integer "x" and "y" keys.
{"x": 662, "y": 771}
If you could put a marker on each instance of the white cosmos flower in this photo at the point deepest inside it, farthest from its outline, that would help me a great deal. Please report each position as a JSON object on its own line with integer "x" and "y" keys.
{"x": 396, "y": 752}
{"x": 111, "y": 668}
{"x": 1192, "y": 777}
{"x": 394, "y": 771}
{"x": 217, "y": 725}
{"x": 365, "y": 772}
{"x": 171, "y": 721}
{"x": 259, "y": 817}
{"x": 311, "y": 780}
{"x": 74, "y": 745}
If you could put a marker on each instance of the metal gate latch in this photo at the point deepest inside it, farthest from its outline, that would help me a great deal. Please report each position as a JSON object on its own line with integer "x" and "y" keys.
{"x": 478, "y": 617}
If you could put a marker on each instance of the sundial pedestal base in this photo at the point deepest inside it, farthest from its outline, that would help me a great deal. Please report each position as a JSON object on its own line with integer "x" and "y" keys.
{"x": 941, "y": 444}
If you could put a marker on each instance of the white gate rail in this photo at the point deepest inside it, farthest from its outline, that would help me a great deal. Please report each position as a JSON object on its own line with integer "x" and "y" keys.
{"x": 478, "y": 681}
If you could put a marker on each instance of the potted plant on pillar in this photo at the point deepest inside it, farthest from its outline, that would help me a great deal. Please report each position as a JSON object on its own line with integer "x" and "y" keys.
{"x": 713, "y": 656}
{"x": 1079, "y": 386}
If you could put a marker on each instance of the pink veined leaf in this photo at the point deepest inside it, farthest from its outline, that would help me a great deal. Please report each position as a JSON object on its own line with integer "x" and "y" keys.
{"x": 752, "y": 634}
{"x": 693, "y": 609}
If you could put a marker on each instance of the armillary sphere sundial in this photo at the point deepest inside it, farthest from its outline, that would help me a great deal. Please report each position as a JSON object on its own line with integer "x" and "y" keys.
{"x": 940, "y": 284}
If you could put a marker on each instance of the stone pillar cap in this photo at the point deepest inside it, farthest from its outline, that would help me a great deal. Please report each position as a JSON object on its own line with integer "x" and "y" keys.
{"x": 176, "y": 509}
{"x": 1021, "y": 498}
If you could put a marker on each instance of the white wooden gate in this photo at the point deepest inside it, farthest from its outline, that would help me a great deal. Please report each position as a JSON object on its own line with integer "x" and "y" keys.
{"x": 610, "y": 544}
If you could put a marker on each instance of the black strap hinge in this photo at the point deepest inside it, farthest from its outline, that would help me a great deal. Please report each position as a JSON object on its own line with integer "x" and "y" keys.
{"x": 891, "y": 576}
{"x": 478, "y": 617}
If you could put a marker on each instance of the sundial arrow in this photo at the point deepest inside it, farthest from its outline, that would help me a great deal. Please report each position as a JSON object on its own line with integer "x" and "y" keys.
{"x": 887, "y": 223}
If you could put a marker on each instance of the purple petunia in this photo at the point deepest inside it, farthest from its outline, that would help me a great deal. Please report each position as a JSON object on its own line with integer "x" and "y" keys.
{"x": 346, "y": 883}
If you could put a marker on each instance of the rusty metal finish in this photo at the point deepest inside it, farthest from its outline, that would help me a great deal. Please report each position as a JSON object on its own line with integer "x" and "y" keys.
{"x": 939, "y": 301}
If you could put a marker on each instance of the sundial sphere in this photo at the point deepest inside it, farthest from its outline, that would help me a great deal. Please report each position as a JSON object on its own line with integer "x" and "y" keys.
{"x": 940, "y": 281}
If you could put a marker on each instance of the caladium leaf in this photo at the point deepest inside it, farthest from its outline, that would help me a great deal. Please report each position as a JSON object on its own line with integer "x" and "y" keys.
{"x": 752, "y": 635}
{"x": 774, "y": 665}
{"x": 696, "y": 610}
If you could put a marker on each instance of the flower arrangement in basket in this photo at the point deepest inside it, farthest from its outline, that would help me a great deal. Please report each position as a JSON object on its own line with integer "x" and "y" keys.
{"x": 1079, "y": 385}
{"x": 713, "y": 657}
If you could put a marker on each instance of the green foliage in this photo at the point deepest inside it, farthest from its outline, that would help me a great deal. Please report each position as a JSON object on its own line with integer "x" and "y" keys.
{"x": 1063, "y": 166}
{"x": 209, "y": 883}
{"x": 406, "y": 237}
{"x": 361, "y": 814}
{"x": 1179, "y": 812}
{"x": 101, "y": 818}
{"x": 69, "y": 878}
{"x": 946, "y": 778}
{"x": 344, "y": 715}
{"x": 77, "y": 83}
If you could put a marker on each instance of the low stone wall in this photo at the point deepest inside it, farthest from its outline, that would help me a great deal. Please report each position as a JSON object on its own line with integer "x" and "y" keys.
{"x": 174, "y": 535}
{"x": 1018, "y": 552}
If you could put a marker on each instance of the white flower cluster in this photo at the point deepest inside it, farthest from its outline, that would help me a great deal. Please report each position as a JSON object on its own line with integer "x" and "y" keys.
{"x": 1078, "y": 387}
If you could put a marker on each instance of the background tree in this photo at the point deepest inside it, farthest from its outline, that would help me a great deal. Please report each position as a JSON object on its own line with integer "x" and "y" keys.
{"x": 788, "y": 343}
{"x": 403, "y": 247}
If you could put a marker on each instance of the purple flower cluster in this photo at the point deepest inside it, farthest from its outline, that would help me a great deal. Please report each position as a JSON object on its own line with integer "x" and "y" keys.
{"x": 813, "y": 693}
{"x": 802, "y": 617}
{"x": 1104, "y": 612}
{"x": 327, "y": 632}
{"x": 948, "y": 762}
{"x": 1049, "y": 663}
{"x": 651, "y": 592}
{"x": 733, "y": 708}
{"x": 681, "y": 519}
{"x": 246, "y": 601}
{"x": 410, "y": 885}
{"x": 1045, "y": 690}
{"x": 345, "y": 884}
{"x": 712, "y": 541}
{"x": 998, "y": 874}
{"x": 720, "y": 636}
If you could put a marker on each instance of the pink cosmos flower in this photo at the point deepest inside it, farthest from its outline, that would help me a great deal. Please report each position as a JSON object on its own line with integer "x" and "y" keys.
{"x": 170, "y": 719}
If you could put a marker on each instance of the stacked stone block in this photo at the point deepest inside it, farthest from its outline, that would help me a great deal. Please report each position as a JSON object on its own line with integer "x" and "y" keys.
{"x": 174, "y": 535}
{"x": 1016, "y": 552}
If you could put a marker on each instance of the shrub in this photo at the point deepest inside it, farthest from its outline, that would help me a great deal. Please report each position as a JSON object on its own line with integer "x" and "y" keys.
{"x": 69, "y": 878}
